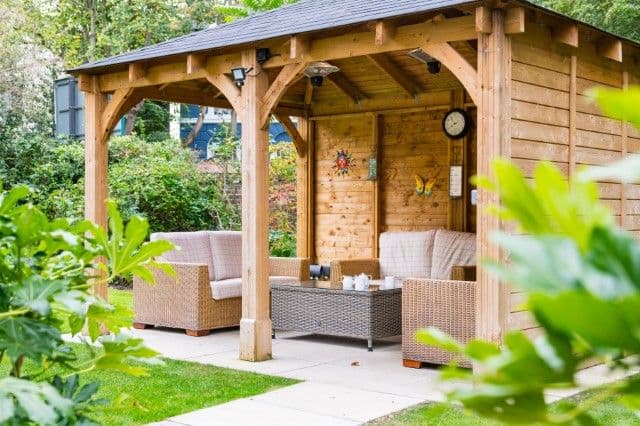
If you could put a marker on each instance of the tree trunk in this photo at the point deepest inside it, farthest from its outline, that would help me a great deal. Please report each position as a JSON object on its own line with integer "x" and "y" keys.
{"x": 131, "y": 118}
{"x": 191, "y": 137}
{"x": 234, "y": 123}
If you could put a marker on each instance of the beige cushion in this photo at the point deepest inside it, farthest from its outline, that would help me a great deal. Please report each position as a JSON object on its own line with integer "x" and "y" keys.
{"x": 283, "y": 280}
{"x": 406, "y": 254}
{"x": 226, "y": 247}
{"x": 226, "y": 289}
{"x": 195, "y": 247}
{"x": 450, "y": 249}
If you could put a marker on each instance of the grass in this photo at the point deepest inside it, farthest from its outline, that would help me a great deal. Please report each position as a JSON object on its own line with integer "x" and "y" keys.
{"x": 608, "y": 413}
{"x": 173, "y": 388}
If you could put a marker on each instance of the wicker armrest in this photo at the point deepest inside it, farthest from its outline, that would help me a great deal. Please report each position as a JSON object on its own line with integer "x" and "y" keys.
{"x": 340, "y": 268}
{"x": 183, "y": 293}
{"x": 290, "y": 267}
{"x": 463, "y": 273}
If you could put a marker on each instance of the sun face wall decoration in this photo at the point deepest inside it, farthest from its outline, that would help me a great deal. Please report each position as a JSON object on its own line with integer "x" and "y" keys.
{"x": 344, "y": 162}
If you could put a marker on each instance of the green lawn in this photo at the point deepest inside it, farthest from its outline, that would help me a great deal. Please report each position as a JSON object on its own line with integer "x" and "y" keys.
{"x": 173, "y": 388}
{"x": 608, "y": 413}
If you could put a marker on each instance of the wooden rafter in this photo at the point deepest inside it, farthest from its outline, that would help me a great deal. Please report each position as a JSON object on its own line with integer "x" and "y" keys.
{"x": 384, "y": 63}
{"x": 299, "y": 47}
{"x": 458, "y": 65}
{"x": 385, "y": 31}
{"x": 611, "y": 49}
{"x": 566, "y": 33}
{"x": 514, "y": 20}
{"x": 287, "y": 76}
{"x": 298, "y": 141}
{"x": 137, "y": 71}
{"x": 195, "y": 63}
{"x": 121, "y": 102}
{"x": 344, "y": 85}
{"x": 483, "y": 20}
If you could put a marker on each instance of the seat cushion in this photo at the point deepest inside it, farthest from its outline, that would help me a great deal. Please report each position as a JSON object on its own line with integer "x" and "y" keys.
{"x": 226, "y": 289}
{"x": 406, "y": 254}
{"x": 451, "y": 248}
{"x": 226, "y": 248}
{"x": 194, "y": 247}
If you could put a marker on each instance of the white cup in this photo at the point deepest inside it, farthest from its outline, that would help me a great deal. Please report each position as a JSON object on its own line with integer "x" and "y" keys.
{"x": 347, "y": 282}
{"x": 389, "y": 283}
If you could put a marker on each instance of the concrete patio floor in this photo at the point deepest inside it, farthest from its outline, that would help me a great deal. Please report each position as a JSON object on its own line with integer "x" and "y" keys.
{"x": 343, "y": 384}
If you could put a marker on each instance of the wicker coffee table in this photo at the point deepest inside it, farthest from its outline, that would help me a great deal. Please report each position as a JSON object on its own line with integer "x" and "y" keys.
{"x": 335, "y": 312}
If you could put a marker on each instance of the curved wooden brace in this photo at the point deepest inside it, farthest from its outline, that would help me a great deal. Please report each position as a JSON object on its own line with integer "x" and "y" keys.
{"x": 287, "y": 76}
{"x": 458, "y": 65}
{"x": 228, "y": 88}
{"x": 121, "y": 102}
{"x": 298, "y": 141}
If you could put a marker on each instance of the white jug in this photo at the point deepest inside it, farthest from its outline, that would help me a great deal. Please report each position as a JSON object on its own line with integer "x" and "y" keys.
{"x": 362, "y": 282}
{"x": 347, "y": 282}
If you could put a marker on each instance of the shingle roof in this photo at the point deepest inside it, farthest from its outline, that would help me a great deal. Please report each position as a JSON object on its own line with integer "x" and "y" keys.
{"x": 304, "y": 16}
{"x": 301, "y": 17}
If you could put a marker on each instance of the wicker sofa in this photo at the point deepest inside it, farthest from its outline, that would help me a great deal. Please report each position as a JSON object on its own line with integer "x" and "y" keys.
{"x": 207, "y": 292}
{"x": 438, "y": 290}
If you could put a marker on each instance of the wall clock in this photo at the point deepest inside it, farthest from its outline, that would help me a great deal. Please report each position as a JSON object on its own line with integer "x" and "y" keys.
{"x": 456, "y": 123}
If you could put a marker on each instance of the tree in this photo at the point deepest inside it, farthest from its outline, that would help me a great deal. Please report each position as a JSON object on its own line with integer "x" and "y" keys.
{"x": 581, "y": 277}
{"x": 244, "y": 8}
{"x": 617, "y": 16}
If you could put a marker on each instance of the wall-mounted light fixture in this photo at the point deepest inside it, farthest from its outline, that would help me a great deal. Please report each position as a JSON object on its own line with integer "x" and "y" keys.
{"x": 433, "y": 65}
{"x": 239, "y": 75}
{"x": 317, "y": 71}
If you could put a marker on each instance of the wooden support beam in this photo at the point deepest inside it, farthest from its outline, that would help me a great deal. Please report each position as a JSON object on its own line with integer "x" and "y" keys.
{"x": 376, "y": 222}
{"x": 308, "y": 93}
{"x": 494, "y": 140}
{"x": 86, "y": 83}
{"x": 624, "y": 195}
{"x": 458, "y": 65}
{"x": 305, "y": 189}
{"x": 287, "y": 77}
{"x": 384, "y": 63}
{"x": 96, "y": 189}
{"x": 566, "y": 33}
{"x": 483, "y": 20}
{"x": 298, "y": 141}
{"x": 610, "y": 48}
{"x": 255, "y": 325}
{"x": 137, "y": 71}
{"x": 342, "y": 83}
{"x": 228, "y": 88}
{"x": 121, "y": 102}
{"x": 385, "y": 31}
{"x": 338, "y": 47}
{"x": 573, "y": 115}
{"x": 515, "y": 18}
{"x": 299, "y": 47}
{"x": 195, "y": 63}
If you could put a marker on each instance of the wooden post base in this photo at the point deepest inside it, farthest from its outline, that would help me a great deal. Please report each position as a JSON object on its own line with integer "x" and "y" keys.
{"x": 409, "y": 363}
{"x": 197, "y": 333}
{"x": 141, "y": 326}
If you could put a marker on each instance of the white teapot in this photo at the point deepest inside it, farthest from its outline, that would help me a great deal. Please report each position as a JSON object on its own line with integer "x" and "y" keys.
{"x": 362, "y": 282}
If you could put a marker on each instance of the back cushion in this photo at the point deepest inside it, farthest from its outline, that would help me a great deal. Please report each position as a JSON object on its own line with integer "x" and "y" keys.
{"x": 226, "y": 247}
{"x": 451, "y": 248}
{"x": 195, "y": 247}
{"x": 406, "y": 254}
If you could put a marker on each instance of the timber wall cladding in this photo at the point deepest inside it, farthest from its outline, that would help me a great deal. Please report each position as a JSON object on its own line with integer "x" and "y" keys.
{"x": 343, "y": 203}
{"x": 548, "y": 123}
{"x": 413, "y": 144}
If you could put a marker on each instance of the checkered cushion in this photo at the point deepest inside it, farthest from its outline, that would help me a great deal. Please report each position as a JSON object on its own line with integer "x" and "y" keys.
{"x": 195, "y": 247}
{"x": 226, "y": 247}
{"x": 406, "y": 254}
{"x": 450, "y": 249}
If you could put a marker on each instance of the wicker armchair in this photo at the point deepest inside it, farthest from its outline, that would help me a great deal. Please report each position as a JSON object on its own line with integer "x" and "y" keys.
{"x": 198, "y": 300}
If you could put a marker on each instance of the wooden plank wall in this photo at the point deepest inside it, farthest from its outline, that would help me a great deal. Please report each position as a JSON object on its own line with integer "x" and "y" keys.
{"x": 552, "y": 119}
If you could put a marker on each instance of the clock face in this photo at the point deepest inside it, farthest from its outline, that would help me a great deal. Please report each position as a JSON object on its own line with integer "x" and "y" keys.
{"x": 455, "y": 124}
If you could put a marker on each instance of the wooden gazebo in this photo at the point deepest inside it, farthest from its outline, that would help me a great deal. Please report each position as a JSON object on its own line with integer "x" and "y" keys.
{"x": 519, "y": 71}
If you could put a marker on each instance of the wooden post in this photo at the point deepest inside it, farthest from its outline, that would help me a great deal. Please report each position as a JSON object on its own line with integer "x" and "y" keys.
{"x": 573, "y": 115}
{"x": 96, "y": 155}
{"x": 624, "y": 152}
{"x": 302, "y": 205}
{"x": 376, "y": 126}
{"x": 494, "y": 140}
{"x": 457, "y": 154}
{"x": 255, "y": 325}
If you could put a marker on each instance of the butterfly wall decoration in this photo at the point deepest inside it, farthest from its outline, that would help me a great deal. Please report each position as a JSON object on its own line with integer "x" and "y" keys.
{"x": 424, "y": 187}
